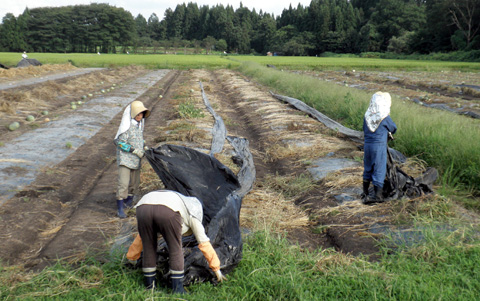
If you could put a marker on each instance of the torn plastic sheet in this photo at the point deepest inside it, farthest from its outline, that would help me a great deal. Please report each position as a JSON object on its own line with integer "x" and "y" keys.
{"x": 397, "y": 182}
{"x": 219, "y": 130}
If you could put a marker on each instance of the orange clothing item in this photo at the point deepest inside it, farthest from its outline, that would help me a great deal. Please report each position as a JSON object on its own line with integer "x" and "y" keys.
{"x": 210, "y": 255}
{"x": 135, "y": 249}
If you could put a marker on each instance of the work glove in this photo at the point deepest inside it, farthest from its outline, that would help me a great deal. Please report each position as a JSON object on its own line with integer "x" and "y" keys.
{"x": 140, "y": 153}
{"x": 220, "y": 276}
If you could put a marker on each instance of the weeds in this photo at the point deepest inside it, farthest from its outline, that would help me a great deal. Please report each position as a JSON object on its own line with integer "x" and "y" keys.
{"x": 187, "y": 110}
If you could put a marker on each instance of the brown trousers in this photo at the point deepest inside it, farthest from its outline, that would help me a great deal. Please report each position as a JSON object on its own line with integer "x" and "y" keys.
{"x": 154, "y": 219}
{"x": 128, "y": 182}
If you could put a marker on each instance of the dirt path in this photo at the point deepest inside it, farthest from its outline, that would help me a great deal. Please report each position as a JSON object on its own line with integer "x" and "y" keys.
{"x": 69, "y": 210}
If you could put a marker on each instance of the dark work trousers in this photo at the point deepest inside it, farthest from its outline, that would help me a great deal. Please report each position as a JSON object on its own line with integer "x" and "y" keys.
{"x": 154, "y": 219}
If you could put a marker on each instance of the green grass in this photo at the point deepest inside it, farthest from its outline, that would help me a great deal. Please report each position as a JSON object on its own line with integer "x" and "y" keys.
{"x": 443, "y": 266}
{"x": 171, "y": 61}
{"x": 158, "y": 61}
{"x": 349, "y": 63}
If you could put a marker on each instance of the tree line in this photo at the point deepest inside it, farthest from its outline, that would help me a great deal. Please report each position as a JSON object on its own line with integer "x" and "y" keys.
{"x": 339, "y": 26}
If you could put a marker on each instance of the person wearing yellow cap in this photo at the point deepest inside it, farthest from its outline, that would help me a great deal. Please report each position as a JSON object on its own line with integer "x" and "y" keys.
{"x": 172, "y": 215}
{"x": 130, "y": 150}
{"x": 378, "y": 126}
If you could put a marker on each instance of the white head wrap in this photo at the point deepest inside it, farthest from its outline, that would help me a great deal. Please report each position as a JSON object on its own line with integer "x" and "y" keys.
{"x": 378, "y": 110}
{"x": 127, "y": 121}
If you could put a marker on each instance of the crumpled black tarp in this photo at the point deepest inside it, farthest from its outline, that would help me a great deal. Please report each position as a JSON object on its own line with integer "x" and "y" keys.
{"x": 194, "y": 173}
{"x": 28, "y": 62}
{"x": 399, "y": 184}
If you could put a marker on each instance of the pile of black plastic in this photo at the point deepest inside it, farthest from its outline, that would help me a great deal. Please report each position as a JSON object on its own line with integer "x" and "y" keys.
{"x": 194, "y": 173}
{"x": 28, "y": 62}
{"x": 399, "y": 184}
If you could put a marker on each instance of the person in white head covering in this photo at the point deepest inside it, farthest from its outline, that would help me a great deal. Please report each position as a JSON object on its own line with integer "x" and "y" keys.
{"x": 377, "y": 126}
{"x": 130, "y": 145}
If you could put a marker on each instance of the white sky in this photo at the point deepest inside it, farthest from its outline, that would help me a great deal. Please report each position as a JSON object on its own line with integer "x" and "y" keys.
{"x": 147, "y": 7}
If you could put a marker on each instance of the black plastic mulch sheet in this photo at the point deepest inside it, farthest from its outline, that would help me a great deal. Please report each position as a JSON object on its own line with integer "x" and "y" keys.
{"x": 194, "y": 173}
{"x": 399, "y": 184}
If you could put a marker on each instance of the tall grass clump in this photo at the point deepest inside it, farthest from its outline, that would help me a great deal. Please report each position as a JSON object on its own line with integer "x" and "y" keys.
{"x": 444, "y": 140}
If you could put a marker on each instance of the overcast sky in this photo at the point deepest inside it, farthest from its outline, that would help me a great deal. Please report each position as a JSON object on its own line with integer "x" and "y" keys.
{"x": 147, "y": 7}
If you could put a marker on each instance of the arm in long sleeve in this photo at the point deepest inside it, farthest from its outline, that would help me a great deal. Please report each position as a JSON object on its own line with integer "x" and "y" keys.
{"x": 135, "y": 249}
{"x": 391, "y": 126}
{"x": 210, "y": 255}
{"x": 204, "y": 244}
{"x": 121, "y": 143}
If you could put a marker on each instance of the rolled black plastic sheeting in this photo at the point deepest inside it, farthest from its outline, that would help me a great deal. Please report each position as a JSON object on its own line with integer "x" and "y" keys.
{"x": 399, "y": 184}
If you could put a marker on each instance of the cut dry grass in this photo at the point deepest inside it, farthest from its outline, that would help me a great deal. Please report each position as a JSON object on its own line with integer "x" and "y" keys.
{"x": 347, "y": 177}
{"x": 149, "y": 180}
{"x": 45, "y": 96}
{"x": 33, "y": 71}
{"x": 264, "y": 207}
{"x": 181, "y": 130}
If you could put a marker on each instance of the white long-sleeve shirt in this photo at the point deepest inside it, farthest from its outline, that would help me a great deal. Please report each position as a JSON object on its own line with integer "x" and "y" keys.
{"x": 189, "y": 208}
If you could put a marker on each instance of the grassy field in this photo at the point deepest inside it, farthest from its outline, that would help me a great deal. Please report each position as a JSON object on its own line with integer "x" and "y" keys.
{"x": 225, "y": 61}
{"x": 346, "y": 63}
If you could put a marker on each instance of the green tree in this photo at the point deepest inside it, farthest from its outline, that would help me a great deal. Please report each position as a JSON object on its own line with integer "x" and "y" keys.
{"x": 141, "y": 26}
{"x": 221, "y": 45}
{"x": 191, "y": 30}
{"x": 394, "y": 17}
{"x": 12, "y": 33}
{"x": 465, "y": 14}
{"x": 209, "y": 43}
{"x": 263, "y": 36}
{"x": 156, "y": 28}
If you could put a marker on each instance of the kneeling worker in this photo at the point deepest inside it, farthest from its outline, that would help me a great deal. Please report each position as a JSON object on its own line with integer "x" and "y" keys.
{"x": 172, "y": 215}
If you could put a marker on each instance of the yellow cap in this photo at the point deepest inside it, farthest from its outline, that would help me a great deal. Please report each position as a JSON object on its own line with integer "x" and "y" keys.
{"x": 137, "y": 107}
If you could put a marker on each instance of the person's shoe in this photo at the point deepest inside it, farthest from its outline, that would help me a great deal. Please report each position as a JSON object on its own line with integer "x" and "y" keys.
{"x": 378, "y": 193}
{"x": 120, "y": 212}
{"x": 149, "y": 280}
{"x": 177, "y": 284}
{"x": 128, "y": 202}
{"x": 366, "y": 184}
{"x": 376, "y": 198}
